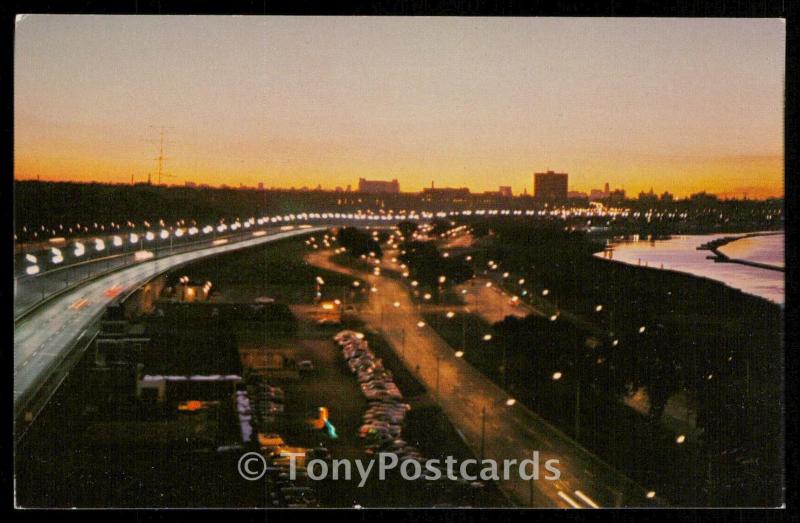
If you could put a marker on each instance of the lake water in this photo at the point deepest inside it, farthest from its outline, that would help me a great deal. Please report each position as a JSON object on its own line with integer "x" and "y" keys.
{"x": 680, "y": 253}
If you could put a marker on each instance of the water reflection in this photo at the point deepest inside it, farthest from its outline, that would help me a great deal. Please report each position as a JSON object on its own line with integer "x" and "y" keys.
{"x": 680, "y": 253}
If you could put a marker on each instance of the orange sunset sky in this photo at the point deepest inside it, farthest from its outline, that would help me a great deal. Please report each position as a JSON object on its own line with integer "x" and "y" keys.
{"x": 674, "y": 104}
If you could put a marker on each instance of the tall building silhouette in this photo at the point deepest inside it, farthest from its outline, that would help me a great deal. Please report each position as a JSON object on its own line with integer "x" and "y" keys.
{"x": 550, "y": 185}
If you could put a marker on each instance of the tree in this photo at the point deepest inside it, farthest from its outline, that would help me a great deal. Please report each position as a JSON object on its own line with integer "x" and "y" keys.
{"x": 358, "y": 242}
{"x": 407, "y": 228}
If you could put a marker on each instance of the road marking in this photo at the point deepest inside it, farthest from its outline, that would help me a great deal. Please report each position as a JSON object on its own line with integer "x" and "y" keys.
{"x": 563, "y": 495}
{"x": 586, "y": 499}
{"x": 79, "y": 304}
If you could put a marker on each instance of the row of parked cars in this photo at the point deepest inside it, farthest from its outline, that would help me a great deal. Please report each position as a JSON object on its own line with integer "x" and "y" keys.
{"x": 267, "y": 402}
{"x": 383, "y": 421}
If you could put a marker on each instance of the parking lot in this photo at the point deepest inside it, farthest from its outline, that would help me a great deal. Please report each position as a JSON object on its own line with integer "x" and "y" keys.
{"x": 333, "y": 386}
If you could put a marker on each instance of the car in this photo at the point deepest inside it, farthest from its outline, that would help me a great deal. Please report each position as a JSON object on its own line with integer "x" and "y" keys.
{"x": 347, "y": 335}
{"x": 374, "y": 374}
{"x": 305, "y": 366}
{"x": 395, "y": 415}
{"x": 382, "y": 394}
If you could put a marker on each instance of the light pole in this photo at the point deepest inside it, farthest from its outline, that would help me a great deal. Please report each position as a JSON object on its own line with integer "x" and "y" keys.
{"x": 503, "y": 368}
{"x": 483, "y": 432}
{"x": 437, "y": 378}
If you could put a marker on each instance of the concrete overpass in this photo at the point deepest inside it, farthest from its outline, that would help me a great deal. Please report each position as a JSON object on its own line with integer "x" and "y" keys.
{"x": 50, "y": 334}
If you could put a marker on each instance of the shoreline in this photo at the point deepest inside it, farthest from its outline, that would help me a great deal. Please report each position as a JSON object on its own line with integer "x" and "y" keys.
{"x": 720, "y": 257}
{"x": 612, "y": 248}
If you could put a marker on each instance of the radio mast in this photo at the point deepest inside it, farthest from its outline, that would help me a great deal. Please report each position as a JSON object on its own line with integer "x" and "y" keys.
{"x": 161, "y": 157}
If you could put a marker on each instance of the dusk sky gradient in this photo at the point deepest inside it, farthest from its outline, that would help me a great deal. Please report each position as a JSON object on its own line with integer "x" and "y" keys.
{"x": 674, "y": 104}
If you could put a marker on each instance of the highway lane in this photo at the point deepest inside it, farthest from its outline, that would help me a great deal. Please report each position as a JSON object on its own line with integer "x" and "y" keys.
{"x": 42, "y": 339}
{"x": 32, "y": 289}
{"x": 511, "y": 431}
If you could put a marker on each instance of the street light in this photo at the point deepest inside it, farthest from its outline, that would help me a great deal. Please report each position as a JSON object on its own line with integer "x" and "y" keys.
{"x": 545, "y": 292}
{"x": 680, "y": 439}
{"x": 598, "y": 308}
{"x": 556, "y": 376}
{"x": 450, "y": 314}
{"x": 459, "y": 354}
{"x": 487, "y": 337}
{"x": 420, "y": 324}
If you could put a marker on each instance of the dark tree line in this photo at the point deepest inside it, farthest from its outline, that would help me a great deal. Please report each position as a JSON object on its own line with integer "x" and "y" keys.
{"x": 427, "y": 265}
{"x": 717, "y": 346}
{"x": 359, "y": 242}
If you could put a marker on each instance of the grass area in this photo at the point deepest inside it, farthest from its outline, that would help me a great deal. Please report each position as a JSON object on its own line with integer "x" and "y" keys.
{"x": 276, "y": 269}
{"x": 616, "y": 433}
{"x": 346, "y": 260}
{"x": 465, "y": 332}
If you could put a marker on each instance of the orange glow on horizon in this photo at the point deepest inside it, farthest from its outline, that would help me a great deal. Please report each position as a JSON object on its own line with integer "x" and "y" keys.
{"x": 679, "y": 105}
{"x": 758, "y": 177}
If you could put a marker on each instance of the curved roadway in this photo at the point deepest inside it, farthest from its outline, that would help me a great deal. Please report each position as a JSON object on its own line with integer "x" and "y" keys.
{"x": 44, "y": 337}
